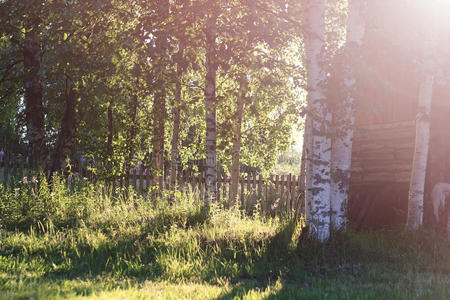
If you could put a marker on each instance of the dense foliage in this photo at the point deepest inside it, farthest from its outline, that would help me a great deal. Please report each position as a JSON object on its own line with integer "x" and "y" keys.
{"x": 104, "y": 79}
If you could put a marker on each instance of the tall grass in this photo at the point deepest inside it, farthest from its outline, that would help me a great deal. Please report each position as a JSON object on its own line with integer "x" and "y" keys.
{"x": 60, "y": 243}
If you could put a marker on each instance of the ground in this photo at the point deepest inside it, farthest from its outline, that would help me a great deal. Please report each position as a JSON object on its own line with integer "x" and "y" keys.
{"x": 91, "y": 245}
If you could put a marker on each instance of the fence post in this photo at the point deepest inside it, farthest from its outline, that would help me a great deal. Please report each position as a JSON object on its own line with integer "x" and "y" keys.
{"x": 249, "y": 192}
{"x": 134, "y": 172}
{"x": 224, "y": 188}
{"x": 202, "y": 192}
{"x": 282, "y": 194}
{"x": 219, "y": 184}
{"x": 148, "y": 185}
{"x": 141, "y": 182}
{"x": 254, "y": 193}
{"x": 277, "y": 197}
{"x": 242, "y": 181}
{"x": 294, "y": 192}
{"x": 265, "y": 199}
{"x": 270, "y": 192}
{"x": 5, "y": 169}
{"x": 289, "y": 194}
{"x": 260, "y": 201}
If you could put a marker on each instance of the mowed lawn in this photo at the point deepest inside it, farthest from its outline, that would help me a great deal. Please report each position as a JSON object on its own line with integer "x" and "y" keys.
{"x": 89, "y": 245}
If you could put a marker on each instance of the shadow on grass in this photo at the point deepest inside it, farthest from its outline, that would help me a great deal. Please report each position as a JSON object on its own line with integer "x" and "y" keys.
{"x": 378, "y": 264}
{"x": 284, "y": 267}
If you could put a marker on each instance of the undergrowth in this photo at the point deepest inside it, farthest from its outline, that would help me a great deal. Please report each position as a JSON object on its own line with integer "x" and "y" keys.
{"x": 56, "y": 242}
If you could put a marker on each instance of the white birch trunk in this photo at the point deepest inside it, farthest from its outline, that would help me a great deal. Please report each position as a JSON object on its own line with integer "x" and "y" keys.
{"x": 419, "y": 167}
{"x": 176, "y": 122}
{"x": 438, "y": 196}
{"x": 307, "y": 146}
{"x": 318, "y": 166}
{"x": 210, "y": 106}
{"x": 341, "y": 154}
{"x": 420, "y": 159}
{"x": 235, "y": 159}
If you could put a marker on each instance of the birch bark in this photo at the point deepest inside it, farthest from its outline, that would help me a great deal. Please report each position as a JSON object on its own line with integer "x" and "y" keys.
{"x": 341, "y": 154}
{"x": 210, "y": 106}
{"x": 420, "y": 159}
{"x": 318, "y": 166}
{"x": 235, "y": 160}
{"x": 159, "y": 114}
{"x": 159, "y": 105}
{"x": 419, "y": 166}
{"x": 109, "y": 142}
{"x": 176, "y": 121}
{"x": 133, "y": 128}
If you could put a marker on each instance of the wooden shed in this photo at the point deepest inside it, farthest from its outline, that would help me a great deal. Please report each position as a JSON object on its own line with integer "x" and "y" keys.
{"x": 384, "y": 134}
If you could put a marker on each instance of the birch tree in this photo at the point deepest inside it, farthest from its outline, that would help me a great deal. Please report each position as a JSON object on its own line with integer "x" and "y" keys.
{"x": 235, "y": 159}
{"x": 176, "y": 119}
{"x": 318, "y": 166}
{"x": 210, "y": 106}
{"x": 343, "y": 118}
{"x": 159, "y": 104}
{"x": 421, "y": 147}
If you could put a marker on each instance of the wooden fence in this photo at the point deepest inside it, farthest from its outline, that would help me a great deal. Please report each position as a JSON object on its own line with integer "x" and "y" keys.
{"x": 271, "y": 195}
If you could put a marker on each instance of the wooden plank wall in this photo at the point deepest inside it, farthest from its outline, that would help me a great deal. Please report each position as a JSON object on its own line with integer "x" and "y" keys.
{"x": 383, "y": 153}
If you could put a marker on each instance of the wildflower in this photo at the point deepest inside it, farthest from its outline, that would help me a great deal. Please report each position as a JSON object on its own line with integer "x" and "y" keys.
{"x": 139, "y": 165}
{"x": 25, "y": 180}
{"x": 27, "y": 160}
{"x": 2, "y": 153}
{"x": 139, "y": 221}
{"x": 34, "y": 179}
{"x": 145, "y": 172}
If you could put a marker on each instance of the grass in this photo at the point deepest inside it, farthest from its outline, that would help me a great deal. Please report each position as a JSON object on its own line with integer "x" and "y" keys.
{"x": 87, "y": 244}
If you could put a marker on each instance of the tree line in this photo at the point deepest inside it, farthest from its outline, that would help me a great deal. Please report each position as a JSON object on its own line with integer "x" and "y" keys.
{"x": 129, "y": 82}
{"x": 152, "y": 83}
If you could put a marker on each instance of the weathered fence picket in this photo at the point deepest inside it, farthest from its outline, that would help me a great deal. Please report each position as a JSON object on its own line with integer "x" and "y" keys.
{"x": 270, "y": 195}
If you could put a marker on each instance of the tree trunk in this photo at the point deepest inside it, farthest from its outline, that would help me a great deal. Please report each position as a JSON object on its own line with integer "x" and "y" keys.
{"x": 307, "y": 147}
{"x": 176, "y": 121}
{"x": 210, "y": 106}
{"x": 34, "y": 106}
{"x": 318, "y": 168}
{"x": 417, "y": 183}
{"x": 65, "y": 146}
{"x": 341, "y": 154}
{"x": 109, "y": 143}
{"x": 235, "y": 159}
{"x": 133, "y": 128}
{"x": 159, "y": 104}
{"x": 420, "y": 159}
{"x": 159, "y": 116}
{"x": 302, "y": 175}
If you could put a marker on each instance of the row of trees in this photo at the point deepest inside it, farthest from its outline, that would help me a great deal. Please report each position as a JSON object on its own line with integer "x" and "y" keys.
{"x": 128, "y": 83}
{"x": 141, "y": 83}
